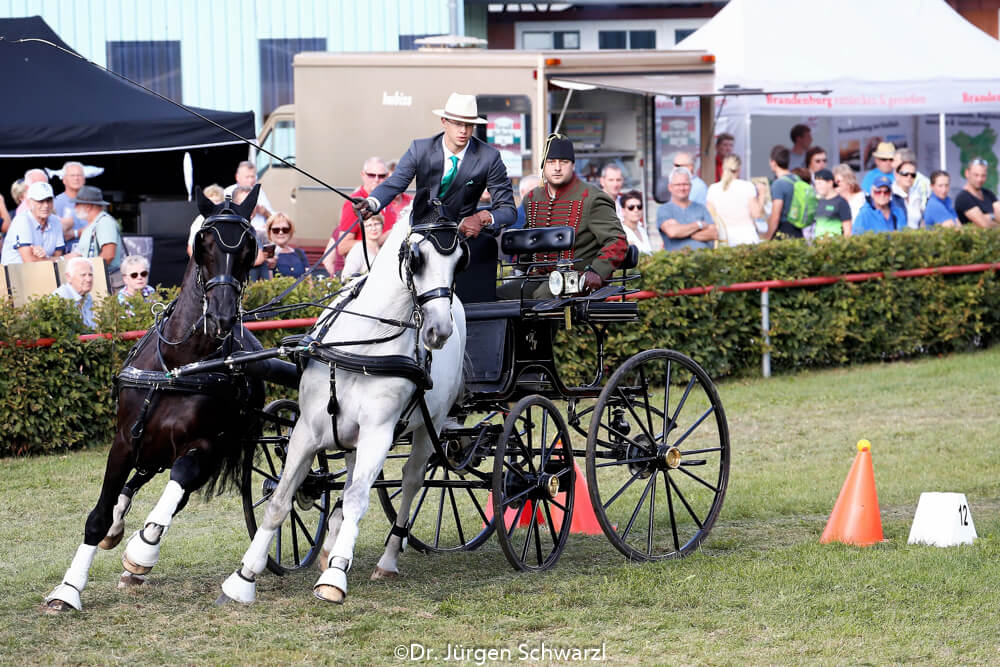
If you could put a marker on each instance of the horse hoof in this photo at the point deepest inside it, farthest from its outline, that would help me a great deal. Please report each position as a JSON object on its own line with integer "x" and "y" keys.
{"x": 56, "y": 607}
{"x": 129, "y": 580}
{"x": 329, "y": 593}
{"x": 133, "y": 568}
{"x": 379, "y": 573}
{"x": 111, "y": 541}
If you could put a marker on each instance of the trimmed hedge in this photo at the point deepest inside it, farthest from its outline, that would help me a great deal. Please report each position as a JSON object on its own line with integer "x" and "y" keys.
{"x": 814, "y": 326}
{"x": 59, "y": 397}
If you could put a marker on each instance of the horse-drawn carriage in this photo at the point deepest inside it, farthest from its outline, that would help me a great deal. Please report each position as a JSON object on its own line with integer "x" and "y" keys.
{"x": 456, "y": 447}
{"x": 654, "y": 436}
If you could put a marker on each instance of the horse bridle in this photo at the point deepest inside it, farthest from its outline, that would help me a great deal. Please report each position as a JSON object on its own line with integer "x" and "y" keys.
{"x": 446, "y": 239}
{"x": 212, "y": 224}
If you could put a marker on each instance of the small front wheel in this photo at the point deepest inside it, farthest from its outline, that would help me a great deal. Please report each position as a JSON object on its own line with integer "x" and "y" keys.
{"x": 533, "y": 484}
{"x": 658, "y": 456}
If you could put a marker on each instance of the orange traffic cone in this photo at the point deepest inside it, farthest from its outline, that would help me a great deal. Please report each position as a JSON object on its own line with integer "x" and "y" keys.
{"x": 855, "y": 518}
{"x": 584, "y": 520}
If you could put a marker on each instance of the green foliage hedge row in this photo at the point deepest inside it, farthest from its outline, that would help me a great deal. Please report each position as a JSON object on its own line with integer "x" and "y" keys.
{"x": 59, "y": 397}
{"x": 815, "y": 326}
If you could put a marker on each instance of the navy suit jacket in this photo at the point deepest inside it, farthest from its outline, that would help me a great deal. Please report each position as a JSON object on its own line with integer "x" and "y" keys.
{"x": 480, "y": 169}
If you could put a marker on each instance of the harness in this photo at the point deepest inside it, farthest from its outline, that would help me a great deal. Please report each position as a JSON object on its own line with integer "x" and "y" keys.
{"x": 445, "y": 238}
{"x": 232, "y": 233}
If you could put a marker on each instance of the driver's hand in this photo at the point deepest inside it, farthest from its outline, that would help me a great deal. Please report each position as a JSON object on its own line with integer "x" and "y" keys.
{"x": 363, "y": 209}
{"x": 472, "y": 225}
{"x": 591, "y": 281}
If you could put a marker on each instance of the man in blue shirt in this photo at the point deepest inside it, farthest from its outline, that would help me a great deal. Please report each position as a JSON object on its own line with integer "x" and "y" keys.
{"x": 79, "y": 282}
{"x": 699, "y": 190}
{"x": 684, "y": 223}
{"x": 883, "y": 165}
{"x": 35, "y": 235}
{"x": 880, "y": 213}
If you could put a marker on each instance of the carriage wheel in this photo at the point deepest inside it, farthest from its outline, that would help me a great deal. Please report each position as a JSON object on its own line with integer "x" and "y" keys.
{"x": 533, "y": 484}
{"x": 452, "y": 510}
{"x": 300, "y": 536}
{"x": 658, "y": 456}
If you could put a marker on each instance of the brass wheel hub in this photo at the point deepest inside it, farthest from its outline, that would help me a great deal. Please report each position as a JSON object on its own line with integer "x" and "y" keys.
{"x": 670, "y": 457}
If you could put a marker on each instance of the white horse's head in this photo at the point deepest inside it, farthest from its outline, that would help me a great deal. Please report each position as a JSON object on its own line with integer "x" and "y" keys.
{"x": 430, "y": 256}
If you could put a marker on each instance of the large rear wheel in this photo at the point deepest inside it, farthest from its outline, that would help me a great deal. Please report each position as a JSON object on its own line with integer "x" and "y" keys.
{"x": 658, "y": 456}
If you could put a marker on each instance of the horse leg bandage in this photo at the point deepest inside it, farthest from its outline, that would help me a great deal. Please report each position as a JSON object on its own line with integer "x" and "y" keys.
{"x": 163, "y": 513}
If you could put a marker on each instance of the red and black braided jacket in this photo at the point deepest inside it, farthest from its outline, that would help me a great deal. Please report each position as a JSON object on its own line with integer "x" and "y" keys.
{"x": 600, "y": 239}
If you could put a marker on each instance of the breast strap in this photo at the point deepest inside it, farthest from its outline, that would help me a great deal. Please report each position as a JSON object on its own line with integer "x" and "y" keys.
{"x": 212, "y": 384}
{"x": 390, "y": 365}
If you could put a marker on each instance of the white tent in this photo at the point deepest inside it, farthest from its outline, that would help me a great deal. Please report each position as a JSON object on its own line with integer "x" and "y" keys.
{"x": 895, "y": 57}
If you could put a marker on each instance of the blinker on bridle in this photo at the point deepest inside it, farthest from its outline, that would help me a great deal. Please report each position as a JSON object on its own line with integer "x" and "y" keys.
{"x": 215, "y": 224}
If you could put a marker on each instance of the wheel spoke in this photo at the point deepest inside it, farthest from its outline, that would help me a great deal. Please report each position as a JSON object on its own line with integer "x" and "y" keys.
{"x": 645, "y": 397}
{"x": 684, "y": 501}
{"x": 270, "y": 464}
{"x": 635, "y": 415}
{"x": 680, "y": 404}
{"x": 517, "y": 520}
{"x": 706, "y": 450}
{"x": 549, "y": 522}
{"x": 644, "y": 459}
{"x": 527, "y": 536}
{"x": 558, "y": 504}
{"x": 695, "y": 425}
{"x": 295, "y": 538}
{"x": 266, "y": 475}
{"x": 538, "y": 538}
{"x": 624, "y": 437}
{"x": 666, "y": 402}
{"x": 479, "y": 508}
{"x": 305, "y": 530}
{"x": 458, "y": 520}
{"x": 440, "y": 515}
{"x": 420, "y": 503}
{"x": 263, "y": 500}
{"x": 667, "y": 482}
{"x": 638, "y": 506}
{"x": 620, "y": 491}
{"x": 277, "y": 541}
{"x": 698, "y": 479}
{"x": 652, "y": 513}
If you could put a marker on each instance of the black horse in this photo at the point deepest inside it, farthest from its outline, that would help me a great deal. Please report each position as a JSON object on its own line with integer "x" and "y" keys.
{"x": 199, "y": 426}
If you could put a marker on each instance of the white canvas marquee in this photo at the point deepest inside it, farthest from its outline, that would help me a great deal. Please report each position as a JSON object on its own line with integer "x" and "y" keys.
{"x": 893, "y": 57}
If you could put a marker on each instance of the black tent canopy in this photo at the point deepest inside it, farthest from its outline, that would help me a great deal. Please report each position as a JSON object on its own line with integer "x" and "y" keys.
{"x": 75, "y": 108}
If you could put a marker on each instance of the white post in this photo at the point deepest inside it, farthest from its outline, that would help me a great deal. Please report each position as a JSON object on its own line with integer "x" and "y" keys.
{"x": 941, "y": 142}
{"x": 765, "y": 327}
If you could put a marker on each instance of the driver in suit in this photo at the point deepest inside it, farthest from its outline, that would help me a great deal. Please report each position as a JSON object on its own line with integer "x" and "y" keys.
{"x": 456, "y": 168}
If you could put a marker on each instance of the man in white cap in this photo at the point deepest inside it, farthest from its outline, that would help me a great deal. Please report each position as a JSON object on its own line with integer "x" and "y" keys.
{"x": 455, "y": 167}
{"x": 34, "y": 235}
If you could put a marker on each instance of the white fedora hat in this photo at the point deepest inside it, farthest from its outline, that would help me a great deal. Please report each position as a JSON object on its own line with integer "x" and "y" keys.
{"x": 461, "y": 108}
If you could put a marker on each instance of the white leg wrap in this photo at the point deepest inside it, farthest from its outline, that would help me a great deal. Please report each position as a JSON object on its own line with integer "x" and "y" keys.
{"x": 66, "y": 593}
{"x": 76, "y": 575}
{"x": 240, "y": 589}
{"x": 141, "y": 552}
{"x": 163, "y": 513}
{"x": 332, "y": 576}
{"x": 256, "y": 556}
{"x": 122, "y": 507}
{"x": 75, "y": 579}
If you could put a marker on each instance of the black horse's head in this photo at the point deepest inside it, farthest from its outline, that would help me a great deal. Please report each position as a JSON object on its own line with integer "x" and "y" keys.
{"x": 224, "y": 251}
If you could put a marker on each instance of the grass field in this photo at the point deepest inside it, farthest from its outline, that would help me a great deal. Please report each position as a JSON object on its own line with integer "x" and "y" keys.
{"x": 761, "y": 590}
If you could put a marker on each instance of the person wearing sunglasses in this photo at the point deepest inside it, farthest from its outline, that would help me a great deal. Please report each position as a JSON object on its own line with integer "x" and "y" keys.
{"x": 904, "y": 190}
{"x": 976, "y": 203}
{"x": 135, "y": 275}
{"x": 634, "y": 223}
{"x": 373, "y": 173}
{"x": 283, "y": 259}
{"x": 881, "y": 213}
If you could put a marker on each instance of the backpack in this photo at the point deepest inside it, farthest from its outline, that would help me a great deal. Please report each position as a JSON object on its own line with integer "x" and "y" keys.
{"x": 802, "y": 210}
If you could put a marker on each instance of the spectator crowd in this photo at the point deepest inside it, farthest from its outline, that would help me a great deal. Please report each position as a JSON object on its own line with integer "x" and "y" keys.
{"x": 804, "y": 197}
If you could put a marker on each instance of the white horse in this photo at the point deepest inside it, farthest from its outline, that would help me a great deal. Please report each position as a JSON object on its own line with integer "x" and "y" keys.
{"x": 368, "y": 407}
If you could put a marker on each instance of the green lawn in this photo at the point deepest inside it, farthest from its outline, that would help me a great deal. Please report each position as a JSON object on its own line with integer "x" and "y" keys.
{"x": 761, "y": 590}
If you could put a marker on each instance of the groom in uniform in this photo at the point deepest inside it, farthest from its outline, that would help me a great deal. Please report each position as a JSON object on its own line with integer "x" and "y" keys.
{"x": 452, "y": 166}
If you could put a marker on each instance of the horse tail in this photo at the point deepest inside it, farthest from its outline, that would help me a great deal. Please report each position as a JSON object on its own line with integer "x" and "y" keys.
{"x": 238, "y": 452}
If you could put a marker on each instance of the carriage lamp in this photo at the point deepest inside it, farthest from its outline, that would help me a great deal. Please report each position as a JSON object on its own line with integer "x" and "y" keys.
{"x": 564, "y": 283}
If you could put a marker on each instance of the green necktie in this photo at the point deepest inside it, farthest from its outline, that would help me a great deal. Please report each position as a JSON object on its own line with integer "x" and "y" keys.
{"x": 450, "y": 176}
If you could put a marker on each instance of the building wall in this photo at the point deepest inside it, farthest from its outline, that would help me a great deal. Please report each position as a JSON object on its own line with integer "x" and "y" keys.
{"x": 220, "y": 66}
